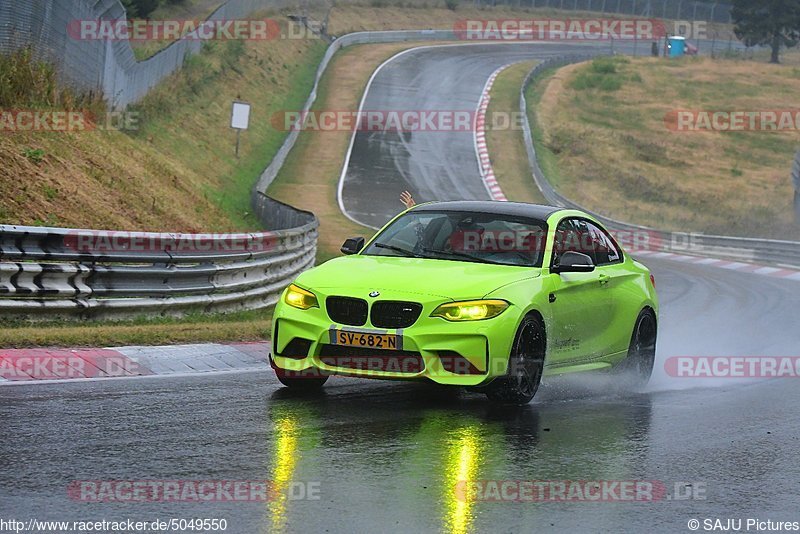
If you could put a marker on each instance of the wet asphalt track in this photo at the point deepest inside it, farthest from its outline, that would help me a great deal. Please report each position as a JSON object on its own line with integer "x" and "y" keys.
{"x": 433, "y": 165}
{"x": 387, "y": 456}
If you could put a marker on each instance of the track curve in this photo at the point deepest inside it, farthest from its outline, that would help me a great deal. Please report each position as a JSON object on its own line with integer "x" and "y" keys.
{"x": 434, "y": 165}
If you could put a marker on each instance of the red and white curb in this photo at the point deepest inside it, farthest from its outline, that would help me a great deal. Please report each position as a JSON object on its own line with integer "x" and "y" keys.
{"x": 485, "y": 164}
{"x": 26, "y": 366}
{"x": 764, "y": 270}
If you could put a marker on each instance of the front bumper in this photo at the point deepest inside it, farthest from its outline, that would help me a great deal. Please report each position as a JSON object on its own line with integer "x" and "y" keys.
{"x": 468, "y": 353}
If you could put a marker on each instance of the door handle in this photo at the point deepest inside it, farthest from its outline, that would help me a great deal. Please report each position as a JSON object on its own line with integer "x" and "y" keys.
{"x": 604, "y": 279}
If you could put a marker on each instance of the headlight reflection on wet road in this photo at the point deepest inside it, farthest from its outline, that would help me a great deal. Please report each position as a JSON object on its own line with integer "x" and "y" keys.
{"x": 461, "y": 467}
{"x": 284, "y": 463}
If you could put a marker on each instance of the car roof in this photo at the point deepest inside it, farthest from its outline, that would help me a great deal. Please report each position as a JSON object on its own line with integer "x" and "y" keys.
{"x": 519, "y": 209}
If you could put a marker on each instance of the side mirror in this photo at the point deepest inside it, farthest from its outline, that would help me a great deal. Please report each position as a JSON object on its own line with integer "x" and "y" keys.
{"x": 573, "y": 262}
{"x": 353, "y": 245}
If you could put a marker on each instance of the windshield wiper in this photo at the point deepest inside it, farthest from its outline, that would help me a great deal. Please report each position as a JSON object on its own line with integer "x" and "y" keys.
{"x": 466, "y": 256}
{"x": 399, "y": 250}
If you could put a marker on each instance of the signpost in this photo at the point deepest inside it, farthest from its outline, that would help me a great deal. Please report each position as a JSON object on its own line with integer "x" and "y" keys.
{"x": 240, "y": 120}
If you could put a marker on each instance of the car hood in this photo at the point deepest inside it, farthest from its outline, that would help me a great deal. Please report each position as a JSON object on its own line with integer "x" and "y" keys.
{"x": 443, "y": 278}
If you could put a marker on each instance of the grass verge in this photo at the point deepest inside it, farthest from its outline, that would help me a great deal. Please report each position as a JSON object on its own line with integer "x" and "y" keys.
{"x": 175, "y": 170}
{"x": 504, "y": 137}
{"x": 241, "y": 326}
{"x": 603, "y": 139}
{"x": 194, "y": 10}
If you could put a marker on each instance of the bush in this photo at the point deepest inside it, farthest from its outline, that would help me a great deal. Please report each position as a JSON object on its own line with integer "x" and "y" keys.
{"x": 26, "y": 82}
{"x": 602, "y": 74}
{"x": 452, "y": 5}
{"x": 604, "y": 65}
{"x": 609, "y": 84}
{"x": 567, "y": 142}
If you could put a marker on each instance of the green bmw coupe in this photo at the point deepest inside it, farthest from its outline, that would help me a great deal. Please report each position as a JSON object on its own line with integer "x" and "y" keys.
{"x": 488, "y": 295}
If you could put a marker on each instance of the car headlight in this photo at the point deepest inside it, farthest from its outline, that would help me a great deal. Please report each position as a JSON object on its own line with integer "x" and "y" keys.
{"x": 297, "y": 297}
{"x": 471, "y": 310}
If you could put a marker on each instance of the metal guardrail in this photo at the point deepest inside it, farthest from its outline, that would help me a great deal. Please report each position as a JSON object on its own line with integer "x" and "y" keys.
{"x": 91, "y": 274}
{"x": 772, "y": 251}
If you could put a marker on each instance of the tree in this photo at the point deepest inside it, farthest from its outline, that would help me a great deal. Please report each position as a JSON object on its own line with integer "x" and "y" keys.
{"x": 774, "y": 23}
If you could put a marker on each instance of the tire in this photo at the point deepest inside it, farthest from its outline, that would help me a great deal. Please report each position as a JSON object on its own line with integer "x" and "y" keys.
{"x": 308, "y": 380}
{"x": 636, "y": 368}
{"x": 525, "y": 365}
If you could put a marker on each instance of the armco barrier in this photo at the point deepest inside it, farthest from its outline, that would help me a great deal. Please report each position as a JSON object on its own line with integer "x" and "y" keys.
{"x": 750, "y": 249}
{"x": 56, "y": 272}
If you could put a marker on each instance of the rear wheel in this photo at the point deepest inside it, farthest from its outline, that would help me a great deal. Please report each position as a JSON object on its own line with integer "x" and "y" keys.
{"x": 525, "y": 365}
{"x": 638, "y": 366}
{"x": 307, "y": 380}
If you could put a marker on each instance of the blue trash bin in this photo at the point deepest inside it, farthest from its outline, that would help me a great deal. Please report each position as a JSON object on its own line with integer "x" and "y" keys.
{"x": 677, "y": 46}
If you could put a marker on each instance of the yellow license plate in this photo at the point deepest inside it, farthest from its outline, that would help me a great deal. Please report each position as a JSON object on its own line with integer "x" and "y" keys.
{"x": 370, "y": 340}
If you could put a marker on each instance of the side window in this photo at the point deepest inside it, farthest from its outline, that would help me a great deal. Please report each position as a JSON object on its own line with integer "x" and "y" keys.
{"x": 604, "y": 249}
{"x": 567, "y": 239}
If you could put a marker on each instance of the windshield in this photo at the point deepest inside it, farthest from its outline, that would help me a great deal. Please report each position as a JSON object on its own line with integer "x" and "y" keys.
{"x": 463, "y": 236}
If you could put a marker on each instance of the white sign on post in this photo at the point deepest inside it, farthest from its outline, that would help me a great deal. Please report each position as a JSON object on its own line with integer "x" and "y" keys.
{"x": 240, "y": 120}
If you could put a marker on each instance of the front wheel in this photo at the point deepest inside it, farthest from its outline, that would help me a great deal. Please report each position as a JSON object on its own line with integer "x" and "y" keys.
{"x": 636, "y": 369}
{"x": 525, "y": 365}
